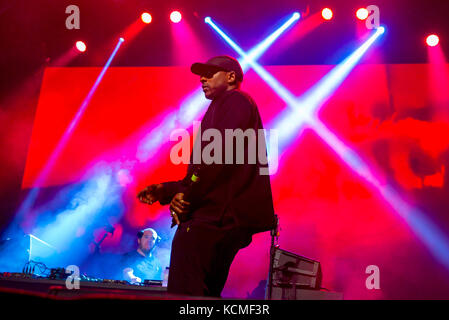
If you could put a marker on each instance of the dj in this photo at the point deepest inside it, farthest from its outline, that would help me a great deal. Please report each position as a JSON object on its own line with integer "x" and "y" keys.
{"x": 141, "y": 264}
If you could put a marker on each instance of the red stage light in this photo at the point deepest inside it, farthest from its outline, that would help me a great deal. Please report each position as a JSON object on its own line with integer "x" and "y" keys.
{"x": 146, "y": 17}
{"x": 327, "y": 14}
{"x": 362, "y": 13}
{"x": 432, "y": 40}
{"x": 81, "y": 46}
{"x": 175, "y": 16}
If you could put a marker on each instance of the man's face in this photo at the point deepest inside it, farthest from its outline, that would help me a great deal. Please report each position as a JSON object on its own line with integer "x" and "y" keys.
{"x": 214, "y": 83}
{"x": 147, "y": 242}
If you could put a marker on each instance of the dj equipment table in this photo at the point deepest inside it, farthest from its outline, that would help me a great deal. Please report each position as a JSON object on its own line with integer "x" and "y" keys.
{"x": 57, "y": 289}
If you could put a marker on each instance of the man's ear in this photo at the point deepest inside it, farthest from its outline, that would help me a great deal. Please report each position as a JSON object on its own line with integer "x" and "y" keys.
{"x": 231, "y": 77}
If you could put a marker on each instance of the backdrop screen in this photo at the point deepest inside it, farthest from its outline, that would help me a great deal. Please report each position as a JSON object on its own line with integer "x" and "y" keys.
{"x": 385, "y": 113}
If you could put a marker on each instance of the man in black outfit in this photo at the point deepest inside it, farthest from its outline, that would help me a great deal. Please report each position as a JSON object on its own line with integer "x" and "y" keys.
{"x": 229, "y": 203}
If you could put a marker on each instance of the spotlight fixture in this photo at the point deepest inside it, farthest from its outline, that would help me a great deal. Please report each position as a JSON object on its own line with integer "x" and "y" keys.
{"x": 432, "y": 40}
{"x": 175, "y": 16}
{"x": 146, "y": 17}
{"x": 81, "y": 46}
{"x": 362, "y": 14}
{"x": 327, "y": 14}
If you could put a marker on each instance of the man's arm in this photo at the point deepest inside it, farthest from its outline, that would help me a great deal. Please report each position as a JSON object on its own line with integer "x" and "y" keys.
{"x": 170, "y": 189}
{"x": 162, "y": 192}
{"x": 237, "y": 113}
{"x": 128, "y": 275}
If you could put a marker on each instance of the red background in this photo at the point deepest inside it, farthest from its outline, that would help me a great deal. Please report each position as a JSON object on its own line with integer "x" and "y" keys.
{"x": 326, "y": 211}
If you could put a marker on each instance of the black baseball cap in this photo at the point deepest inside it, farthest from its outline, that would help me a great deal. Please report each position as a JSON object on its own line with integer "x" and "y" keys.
{"x": 219, "y": 63}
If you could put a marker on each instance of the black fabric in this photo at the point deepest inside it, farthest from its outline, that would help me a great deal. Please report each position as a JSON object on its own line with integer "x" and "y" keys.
{"x": 230, "y": 203}
{"x": 201, "y": 257}
{"x": 237, "y": 190}
{"x": 146, "y": 268}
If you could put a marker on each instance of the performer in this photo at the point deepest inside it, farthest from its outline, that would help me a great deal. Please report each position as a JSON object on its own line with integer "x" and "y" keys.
{"x": 141, "y": 264}
{"x": 228, "y": 204}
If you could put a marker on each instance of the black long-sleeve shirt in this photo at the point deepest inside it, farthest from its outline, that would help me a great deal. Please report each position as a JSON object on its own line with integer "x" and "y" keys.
{"x": 224, "y": 191}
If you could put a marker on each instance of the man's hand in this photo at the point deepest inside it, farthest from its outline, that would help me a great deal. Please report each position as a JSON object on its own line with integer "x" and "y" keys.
{"x": 128, "y": 275}
{"x": 179, "y": 205}
{"x": 150, "y": 194}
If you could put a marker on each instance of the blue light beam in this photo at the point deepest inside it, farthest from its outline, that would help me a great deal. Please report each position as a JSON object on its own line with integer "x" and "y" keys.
{"x": 28, "y": 203}
{"x": 196, "y": 102}
{"x": 247, "y": 60}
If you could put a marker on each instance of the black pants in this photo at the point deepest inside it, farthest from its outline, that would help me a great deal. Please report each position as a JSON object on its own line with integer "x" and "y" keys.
{"x": 201, "y": 257}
